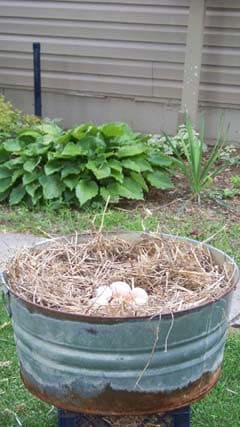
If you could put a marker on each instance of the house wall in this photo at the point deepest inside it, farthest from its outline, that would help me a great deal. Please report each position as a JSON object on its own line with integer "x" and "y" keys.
{"x": 120, "y": 60}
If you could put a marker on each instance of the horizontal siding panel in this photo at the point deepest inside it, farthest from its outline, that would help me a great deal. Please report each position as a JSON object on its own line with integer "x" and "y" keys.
{"x": 154, "y": 70}
{"x": 213, "y": 4}
{"x": 221, "y": 57}
{"x": 122, "y": 32}
{"x": 81, "y": 83}
{"x": 215, "y": 94}
{"x": 122, "y": 13}
{"x": 131, "y": 48}
{"x": 80, "y": 65}
{"x": 223, "y": 18}
{"x": 99, "y": 13}
{"x": 91, "y": 84}
{"x": 223, "y": 4}
{"x": 94, "y": 30}
{"x": 220, "y": 38}
{"x": 120, "y": 50}
{"x": 173, "y": 3}
{"x": 130, "y": 87}
{"x": 96, "y": 48}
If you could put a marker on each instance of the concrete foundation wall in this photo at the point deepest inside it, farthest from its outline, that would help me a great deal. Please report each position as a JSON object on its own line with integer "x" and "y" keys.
{"x": 141, "y": 115}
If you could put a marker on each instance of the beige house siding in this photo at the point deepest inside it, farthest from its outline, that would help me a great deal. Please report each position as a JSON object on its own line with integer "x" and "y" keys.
{"x": 122, "y": 51}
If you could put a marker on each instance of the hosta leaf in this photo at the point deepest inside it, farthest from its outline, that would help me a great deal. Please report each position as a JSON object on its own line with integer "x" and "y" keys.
{"x": 47, "y": 139}
{"x": 115, "y": 164}
{"x": 159, "y": 180}
{"x": 30, "y": 177}
{"x": 131, "y": 189}
{"x": 35, "y": 149}
{"x": 30, "y": 164}
{"x": 31, "y": 188}
{"x": 118, "y": 176}
{"x": 4, "y": 155}
{"x": 130, "y": 164}
{"x": 17, "y": 194}
{"x": 71, "y": 150}
{"x": 80, "y": 131}
{"x": 52, "y": 166}
{"x": 70, "y": 170}
{"x": 111, "y": 191}
{"x": 52, "y": 186}
{"x": 91, "y": 145}
{"x": 4, "y": 195}
{"x": 12, "y": 145}
{"x": 100, "y": 171}
{"x": 30, "y": 135}
{"x": 37, "y": 196}
{"x": 5, "y": 172}
{"x": 142, "y": 163}
{"x": 112, "y": 129}
{"x": 161, "y": 160}
{"x": 5, "y": 183}
{"x": 68, "y": 195}
{"x": 86, "y": 190}
{"x": 71, "y": 181}
{"x": 16, "y": 174}
{"x": 131, "y": 150}
{"x": 66, "y": 137}
{"x": 14, "y": 162}
{"x": 139, "y": 179}
{"x": 51, "y": 129}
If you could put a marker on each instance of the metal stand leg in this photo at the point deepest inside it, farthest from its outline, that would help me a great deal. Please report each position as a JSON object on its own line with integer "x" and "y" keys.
{"x": 72, "y": 419}
{"x": 180, "y": 418}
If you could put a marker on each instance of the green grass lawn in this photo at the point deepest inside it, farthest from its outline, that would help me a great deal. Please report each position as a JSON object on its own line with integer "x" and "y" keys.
{"x": 221, "y": 408}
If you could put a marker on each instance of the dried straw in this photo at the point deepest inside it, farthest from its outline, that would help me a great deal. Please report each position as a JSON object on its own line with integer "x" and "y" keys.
{"x": 64, "y": 275}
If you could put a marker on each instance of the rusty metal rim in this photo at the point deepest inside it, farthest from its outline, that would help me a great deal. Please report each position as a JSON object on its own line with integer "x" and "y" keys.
{"x": 107, "y": 319}
{"x": 186, "y": 400}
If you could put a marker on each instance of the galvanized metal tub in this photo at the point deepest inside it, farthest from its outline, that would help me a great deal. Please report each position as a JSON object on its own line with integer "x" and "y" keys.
{"x": 122, "y": 365}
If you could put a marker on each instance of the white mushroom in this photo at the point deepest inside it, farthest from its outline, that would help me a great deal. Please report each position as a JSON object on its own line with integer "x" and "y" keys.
{"x": 120, "y": 290}
{"x": 139, "y": 296}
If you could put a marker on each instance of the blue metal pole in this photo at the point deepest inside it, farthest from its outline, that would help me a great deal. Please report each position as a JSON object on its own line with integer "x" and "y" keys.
{"x": 37, "y": 79}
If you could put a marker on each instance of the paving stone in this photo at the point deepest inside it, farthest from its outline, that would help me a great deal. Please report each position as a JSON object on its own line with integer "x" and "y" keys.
{"x": 11, "y": 242}
{"x": 235, "y": 310}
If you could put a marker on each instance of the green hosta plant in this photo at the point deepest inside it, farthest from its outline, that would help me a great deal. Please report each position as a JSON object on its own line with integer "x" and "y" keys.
{"x": 199, "y": 171}
{"x": 79, "y": 165}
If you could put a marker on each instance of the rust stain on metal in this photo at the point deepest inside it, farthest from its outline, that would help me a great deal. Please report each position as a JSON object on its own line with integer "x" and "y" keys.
{"x": 115, "y": 402}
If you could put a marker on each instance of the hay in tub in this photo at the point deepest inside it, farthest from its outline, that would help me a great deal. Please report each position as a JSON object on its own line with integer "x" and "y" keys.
{"x": 64, "y": 274}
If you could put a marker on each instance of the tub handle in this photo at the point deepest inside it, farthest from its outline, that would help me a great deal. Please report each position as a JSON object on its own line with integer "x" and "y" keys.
{"x": 5, "y": 295}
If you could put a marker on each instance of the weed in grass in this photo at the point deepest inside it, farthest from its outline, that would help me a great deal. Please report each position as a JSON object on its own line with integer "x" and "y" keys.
{"x": 235, "y": 181}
